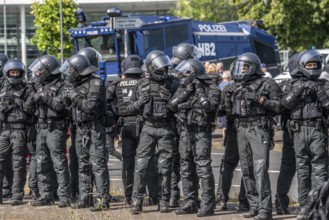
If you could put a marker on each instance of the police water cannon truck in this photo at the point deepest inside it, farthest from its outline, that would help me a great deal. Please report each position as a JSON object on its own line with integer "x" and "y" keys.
{"x": 117, "y": 36}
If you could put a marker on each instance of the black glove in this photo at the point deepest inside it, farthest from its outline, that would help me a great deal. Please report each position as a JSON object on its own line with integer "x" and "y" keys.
{"x": 9, "y": 98}
{"x": 230, "y": 89}
{"x": 36, "y": 96}
{"x": 252, "y": 96}
{"x": 144, "y": 98}
{"x": 165, "y": 93}
{"x": 311, "y": 85}
{"x": 73, "y": 95}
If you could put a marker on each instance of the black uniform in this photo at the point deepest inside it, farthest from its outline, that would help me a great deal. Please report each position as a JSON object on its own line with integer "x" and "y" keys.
{"x": 150, "y": 98}
{"x": 196, "y": 101}
{"x": 308, "y": 102}
{"x": 14, "y": 115}
{"x": 288, "y": 160}
{"x": 252, "y": 102}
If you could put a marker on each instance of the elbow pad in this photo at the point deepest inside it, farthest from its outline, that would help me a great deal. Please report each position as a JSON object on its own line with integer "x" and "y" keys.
{"x": 323, "y": 98}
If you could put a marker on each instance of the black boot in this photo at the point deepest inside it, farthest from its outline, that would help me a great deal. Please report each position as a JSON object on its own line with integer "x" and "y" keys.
{"x": 222, "y": 205}
{"x": 42, "y": 202}
{"x": 137, "y": 207}
{"x": 187, "y": 208}
{"x": 252, "y": 213}
{"x": 263, "y": 215}
{"x": 64, "y": 202}
{"x": 206, "y": 210}
{"x": 101, "y": 204}
{"x": 83, "y": 203}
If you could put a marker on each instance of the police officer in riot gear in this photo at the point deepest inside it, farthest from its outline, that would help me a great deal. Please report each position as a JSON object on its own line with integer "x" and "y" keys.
{"x": 14, "y": 116}
{"x": 121, "y": 92}
{"x": 94, "y": 58}
{"x": 288, "y": 161}
{"x": 252, "y": 103}
{"x": 181, "y": 52}
{"x": 309, "y": 105}
{"x": 8, "y": 177}
{"x": 51, "y": 132}
{"x": 151, "y": 100}
{"x": 196, "y": 102}
{"x": 230, "y": 159}
{"x": 88, "y": 100}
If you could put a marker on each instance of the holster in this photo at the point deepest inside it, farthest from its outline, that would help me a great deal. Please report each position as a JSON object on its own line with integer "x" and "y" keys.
{"x": 139, "y": 125}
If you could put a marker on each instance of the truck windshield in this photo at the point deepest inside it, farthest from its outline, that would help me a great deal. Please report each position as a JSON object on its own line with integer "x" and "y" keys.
{"x": 105, "y": 44}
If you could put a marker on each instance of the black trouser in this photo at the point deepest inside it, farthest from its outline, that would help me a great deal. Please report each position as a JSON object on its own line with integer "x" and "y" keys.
{"x": 287, "y": 171}
{"x": 195, "y": 154}
{"x": 256, "y": 140}
{"x": 14, "y": 141}
{"x": 311, "y": 148}
{"x": 8, "y": 177}
{"x": 111, "y": 134}
{"x": 90, "y": 147}
{"x": 32, "y": 145}
{"x": 51, "y": 154}
{"x": 175, "y": 175}
{"x": 229, "y": 163}
{"x": 73, "y": 165}
{"x": 163, "y": 137}
{"x": 129, "y": 146}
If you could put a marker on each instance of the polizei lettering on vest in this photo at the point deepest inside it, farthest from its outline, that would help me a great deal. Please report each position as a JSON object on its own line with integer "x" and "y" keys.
{"x": 128, "y": 83}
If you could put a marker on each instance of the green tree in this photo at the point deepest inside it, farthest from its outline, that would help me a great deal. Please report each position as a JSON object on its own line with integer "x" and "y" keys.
{"x": 298, "y": 24}
{"x": 206, "y": 10}
{"x": 47, "y": 23}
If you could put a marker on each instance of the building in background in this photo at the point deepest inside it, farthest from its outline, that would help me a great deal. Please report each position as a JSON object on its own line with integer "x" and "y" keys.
{"x": 18, "y": 18}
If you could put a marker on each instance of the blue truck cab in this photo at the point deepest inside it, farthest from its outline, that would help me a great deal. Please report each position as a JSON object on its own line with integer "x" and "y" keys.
{"x": 115, "y": 37}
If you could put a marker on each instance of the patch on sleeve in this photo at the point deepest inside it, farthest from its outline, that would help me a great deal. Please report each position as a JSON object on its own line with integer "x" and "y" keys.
{"x": 97, "y": 83}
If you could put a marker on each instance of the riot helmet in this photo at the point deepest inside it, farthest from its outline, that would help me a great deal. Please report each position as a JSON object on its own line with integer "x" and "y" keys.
{"x": 246, "y": 66}
{"x": 188, "y": 70}
{"x": 157, "y": 64}
{"x": 45, "y": 67}
{"x": 16, "y": 77}
{"x": 3, "y": 59}
{"x": 185, "y": 51}
{"x": 293, "y": 65}
{"x": 132, "y": 65}
{"x": 76, "y": 67}
{"x": 310, "y": 64}
{"x": 93, "y": 55}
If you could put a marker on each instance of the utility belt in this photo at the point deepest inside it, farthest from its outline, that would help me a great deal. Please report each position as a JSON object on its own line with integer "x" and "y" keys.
{"x": 126, "y": 120}
{"x": 159, "y": 123}
{"x": 20, "y": 126}
{"x": 89, "y": 124}
{"x": 52, "y": 125}
{"x": 295, "y": 125}
{"x": 251, "y": 122}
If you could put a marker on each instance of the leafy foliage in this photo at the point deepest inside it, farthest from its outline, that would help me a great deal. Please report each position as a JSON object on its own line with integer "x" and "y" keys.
{"x": 47, "y": 23}
{"x": 207, "y": 10}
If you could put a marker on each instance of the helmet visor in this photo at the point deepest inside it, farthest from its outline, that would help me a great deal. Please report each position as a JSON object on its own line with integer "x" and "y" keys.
{"x": 37, "y": 68}
{"x": 243, "y": 68}
{"x": 184, "y": 68}
{"x": 66, "y": 68}
{"x": 196, "y": 53}
{"x": 161, "y": 62}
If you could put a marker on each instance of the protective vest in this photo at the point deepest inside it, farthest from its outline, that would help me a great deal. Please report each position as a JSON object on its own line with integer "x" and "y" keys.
{"x": 91, "y": 90}
{"x": 308, "y": 107}
{"x": 245, "y": 108}
{"x": 197, "y": 116}
{"x": 51, "y": 89}
{"x": 15, "y": 113}
{"x": 156, "y": 108}
{"x": 124, "y": 91}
